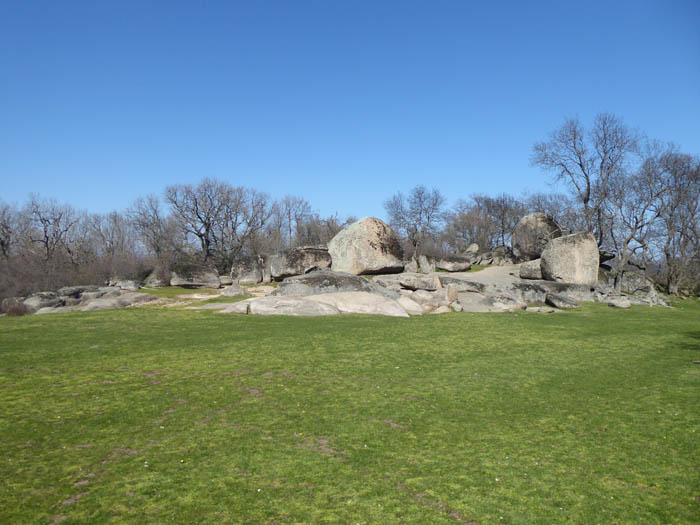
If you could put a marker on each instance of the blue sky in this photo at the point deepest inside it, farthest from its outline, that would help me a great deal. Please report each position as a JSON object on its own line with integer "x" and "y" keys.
{"x": 341, "y": 102}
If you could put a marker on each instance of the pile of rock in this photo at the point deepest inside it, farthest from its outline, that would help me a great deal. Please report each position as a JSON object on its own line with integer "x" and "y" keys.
{"x": 78, "y": 298}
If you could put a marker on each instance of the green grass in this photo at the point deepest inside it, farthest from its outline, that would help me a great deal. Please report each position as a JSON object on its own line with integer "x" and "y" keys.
{"x": 157, "y": 415}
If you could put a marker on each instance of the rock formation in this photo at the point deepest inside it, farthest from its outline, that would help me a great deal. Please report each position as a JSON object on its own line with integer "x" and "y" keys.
{"x": 571, "y": 259}
{"x": 531, "y": 235}
{"x": 366, "y": 247}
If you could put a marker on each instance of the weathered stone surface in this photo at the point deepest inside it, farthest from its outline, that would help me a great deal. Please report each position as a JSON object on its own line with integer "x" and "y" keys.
{"x": 294, "y": 306}
{"x": 225, "y": 280}
{"x": 476, "y": 302}
{"x": 560, "y": 301}
{"x": 454, "y": 263}
{"x": 457, "y": 306}
{"x": 42, "y": 300}
{"x": 618, "y": 302}
{"x": 119, "y": 301}
{"x": 531, "y": 235}
{"x": 411, "y": 265}
{"x": 442, "y": 310}
{"x": 426, "y": 264}
{"x": 298, "y": 261}
{"x": 419, "y": 282}
{"x": 502, "y": 255}
{"x": 155, "y": 281}
{"x": 126, "y": 284}
{"x": 531, "y": 270}
{"x": 571, "y": 259}
{"x": 360, "y": 303}
{"x": 451, "y": 293}
{"x": 410, "y": 306}
{"x": 367, "y": 246}
{"x": 249, "y": 271}
{"x": 462, "y": 285}
{"x": 76, "y": 291}
{"x": 196, "y": 278}
{"x": 233, "y": 291}
{"x": 326, "y": 281}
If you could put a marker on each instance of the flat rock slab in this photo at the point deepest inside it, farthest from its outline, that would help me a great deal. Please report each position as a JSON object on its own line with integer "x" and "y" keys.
{"x": 271, "y": 305}
{"x": 361, "y": 303}
{"x": 320, "y": 305}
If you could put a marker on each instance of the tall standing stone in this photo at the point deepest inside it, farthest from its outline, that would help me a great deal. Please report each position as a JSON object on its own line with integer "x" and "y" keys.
{"x": 571, "y": 259}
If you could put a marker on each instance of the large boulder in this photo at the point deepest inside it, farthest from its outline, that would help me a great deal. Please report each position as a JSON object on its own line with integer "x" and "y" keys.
{"x": 366, "y": 247}
{"x": 454, "y": 263}
{"x": 426, "y": 264}
{"x": 571, "y": 259}
{"x": 326, "y": 281}
{"x": 42, "y": 300}
{"x": 196, "y": 278}
{"x": 531, "y": 270}
{"x": 298, "y": 261}
{"x": 248, "y": 271}
{"x": 531, "y": 235}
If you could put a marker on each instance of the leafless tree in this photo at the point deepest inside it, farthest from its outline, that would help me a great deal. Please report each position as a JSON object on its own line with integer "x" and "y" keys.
{"x": 245, "y": 215}
{"x": 8, "y": 228}
{"x": 202, "y": 209}
{"x": 154, "y": 228}
{"x": 678, "y": 235}
{"x": 52, "y": 224}
{"x": 419, "y": 216}
{"x": 587, "y": 161}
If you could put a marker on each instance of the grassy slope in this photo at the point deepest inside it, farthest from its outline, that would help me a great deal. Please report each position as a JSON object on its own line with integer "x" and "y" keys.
{"x": 156, "y": 414}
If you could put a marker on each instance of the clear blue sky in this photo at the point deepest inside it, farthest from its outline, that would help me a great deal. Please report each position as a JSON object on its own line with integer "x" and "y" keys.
{"x": 341, "y": 102}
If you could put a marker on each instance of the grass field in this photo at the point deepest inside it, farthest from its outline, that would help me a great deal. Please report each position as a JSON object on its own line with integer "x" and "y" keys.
{"x": 156, "y": 415}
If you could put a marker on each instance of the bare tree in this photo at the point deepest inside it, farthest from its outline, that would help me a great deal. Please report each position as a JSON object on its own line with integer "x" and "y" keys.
{"x": 294, "y": 211}
{"x": 417, "y": 217}
{"x": 587, "y": 161}
{"x": 243, "y": 221}
{"x": 201, "y": 209}
{"x": 679, "y": 212}
{"x": 52, "y": 223}
{"x": 8, "y": 229}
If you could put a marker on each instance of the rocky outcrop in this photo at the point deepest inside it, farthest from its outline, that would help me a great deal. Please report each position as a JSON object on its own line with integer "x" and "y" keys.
{"x": 269, "y": 305}
{"x": 571, "y": 259}
{"x": 411, "y": 265}
{"x": 560, "y": 301}
{"x": 531, "y": 270}
{"x": 249, "y": 271}
{"x": 41, "y": 300}
{"x": 361, "y": 303}
{"x": 195, "y": 277}
{"x": 531, "y": 235}
{"x": 81, "y": 298}
{"x": 366, "y": 247}
{"x": 426, "y": 264}
{"x": 126, "y": 284}
{"x": 326, "y": 281}
{"x": 298, "y": 261}
{"x": 454, "y": 263}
